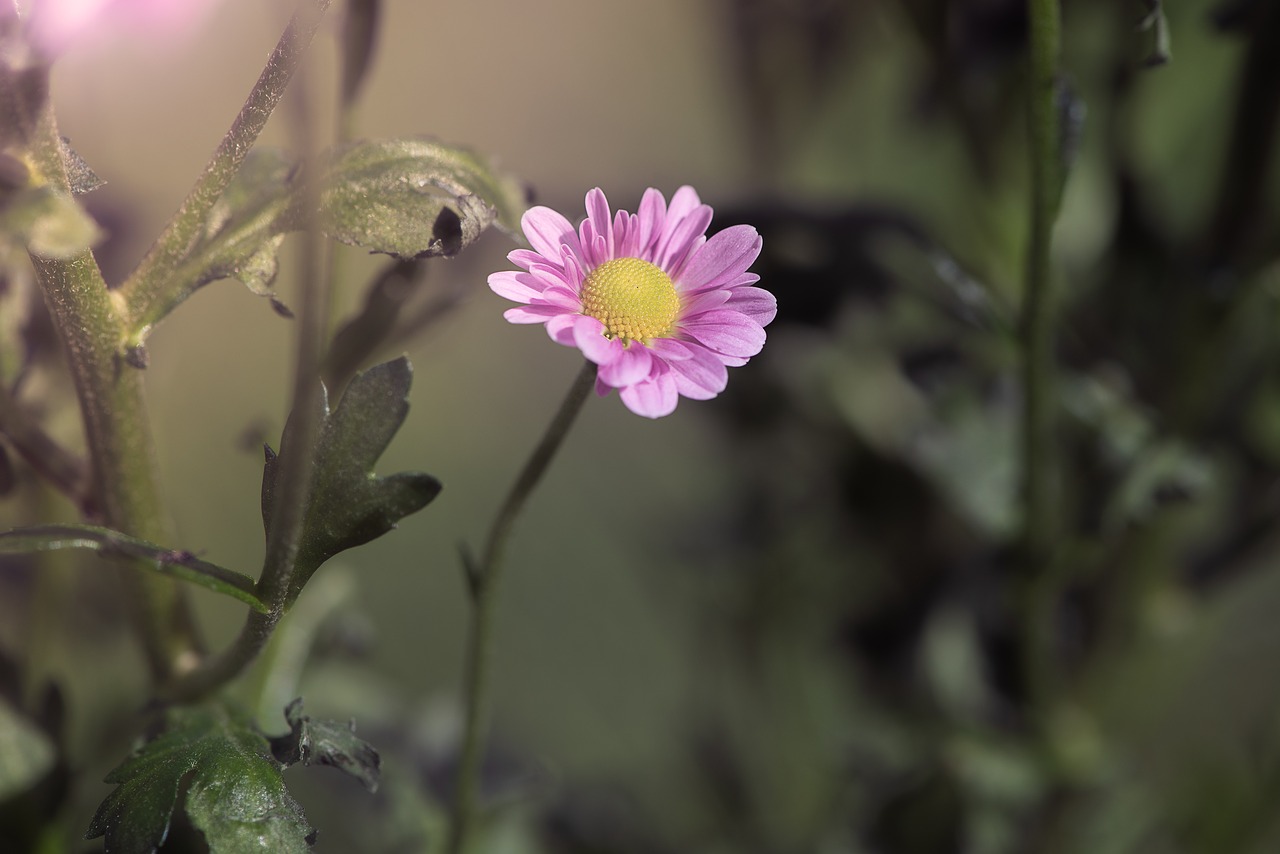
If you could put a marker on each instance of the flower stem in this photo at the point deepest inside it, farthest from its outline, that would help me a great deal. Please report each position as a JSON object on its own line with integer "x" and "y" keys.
{"x": 1038, "y": 476}
{"x": 148, "y": 292}
{"x": 117, "y": 429}
{"x": 483, "y": 579}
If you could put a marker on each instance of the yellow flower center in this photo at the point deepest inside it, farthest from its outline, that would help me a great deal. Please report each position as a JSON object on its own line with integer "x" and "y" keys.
{"x": 635, "y": 300}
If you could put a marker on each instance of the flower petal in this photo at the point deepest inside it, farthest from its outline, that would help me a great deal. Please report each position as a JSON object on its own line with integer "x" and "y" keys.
{"x": 560, "y": 328}
{"x": 653, "y": 397}
{"x": 515, "y": 286}
{"x": 601, "y": 221}
{"x": 725, "y": 256}
{"x": 631, "y": 366}
{"x": 671, "y": 350}
{"x": 725, "y": 331}
{"x": 546, "y": 230}
{"x": 681, "y": 239}
{"x": 703, "y": 302}
{"x": 588, "y": 334}
{"x": 651, "y": 216}
{"x": 701, "y": 377}
{"x": 532, "y": 313}
{"x": 756, "y": 303}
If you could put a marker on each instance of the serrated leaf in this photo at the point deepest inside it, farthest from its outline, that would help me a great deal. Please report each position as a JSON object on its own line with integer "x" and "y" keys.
{"x": 50, "y": 224}
{"x": 415, "y": 197}
{"x": 323, "y": 742}
{"x": 348, "y": 505}
{"x": 178, "y": 563}
{"x": 233, "y": 790}
{"x": 26, "y": 754}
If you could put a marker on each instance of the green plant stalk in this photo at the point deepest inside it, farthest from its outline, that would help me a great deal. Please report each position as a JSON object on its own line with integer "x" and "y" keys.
{"x": 117, "y": 429}
{"x": 274, "y": 584}
{"x": 148, "y": 290}
{"x": 1039, "y": 478}
{"x": 483, "y": 580}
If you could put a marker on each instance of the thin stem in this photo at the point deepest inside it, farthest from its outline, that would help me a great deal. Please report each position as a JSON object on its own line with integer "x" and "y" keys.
{"x": 117, "y": 428}
{"x": 147, "y": 293}
{"x": 1039, "y": 477}
{"x": 297, "y": 459}
{"x": 66, "y": 472}
{"x": 483, "y": 579}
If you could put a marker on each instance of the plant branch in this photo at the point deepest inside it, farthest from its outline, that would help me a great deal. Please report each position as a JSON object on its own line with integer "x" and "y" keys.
{"x": 68, "y": 474}
{"x": 148, "y": 290}
{"x": 483, "y": 580}
{"x": 1038, "y": 380}
{"x": 117, "y": 430}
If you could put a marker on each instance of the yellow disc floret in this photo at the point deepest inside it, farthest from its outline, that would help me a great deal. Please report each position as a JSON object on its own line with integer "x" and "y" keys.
{"x": 635, "y": 300}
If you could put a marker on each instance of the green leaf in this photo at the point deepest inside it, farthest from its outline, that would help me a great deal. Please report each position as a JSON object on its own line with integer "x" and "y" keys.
{"x": 178, "y": 563}
{"x": 48, "y": 223}
{"x": 221, "y": 768}
{"x": 415, "y": 197}
{"x": 348, "y": 505}
{"x": 80, "y": 175}
{"x": 314, "y": 742}
{"x": 26, "y": 753}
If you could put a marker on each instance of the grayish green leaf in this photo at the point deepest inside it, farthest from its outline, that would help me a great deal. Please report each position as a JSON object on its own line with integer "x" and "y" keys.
{"x": 178, "y": 563}
{"x": 348, "y": 505}
{"x": 321, "y": 742}
{"x": 26, "y": 754}
{"x": 415, "y": 197}
{"x": 233, "y": 790}
{"x": 48, "y": 223}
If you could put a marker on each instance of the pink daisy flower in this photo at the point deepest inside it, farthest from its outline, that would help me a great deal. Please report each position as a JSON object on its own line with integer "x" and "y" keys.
{"x": 662, "y": 310}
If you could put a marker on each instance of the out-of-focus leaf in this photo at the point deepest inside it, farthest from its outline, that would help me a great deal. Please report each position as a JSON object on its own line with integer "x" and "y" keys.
{"x": 364, "y": 333}
{"x": 24, "y": 87}
{"x": 1158, "y": 25}
{"x": 180, "y": 564}
{"x": 415, "y": 197}
{"x": 230, "y": 786}
{"x": 26, "y": 754}
{"x": 359, "y": 34}
{"x": 348, "y": 505}
{"x": 314, "y": 742}
{"x": 48, "y": 223}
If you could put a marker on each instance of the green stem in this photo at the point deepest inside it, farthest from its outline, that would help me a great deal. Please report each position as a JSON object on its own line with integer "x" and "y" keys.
{"x": 152, "y": 290}
{"x": 296, "y": 461}
{"x": 117, "y": 429}
{"x": 483, "y": 581}
{"x": 1038, "y": 380}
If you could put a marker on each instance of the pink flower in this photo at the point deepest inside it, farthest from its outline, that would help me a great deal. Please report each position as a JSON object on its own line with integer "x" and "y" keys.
{"x": 662, "y": 310}
{"x": 57, "y": 25}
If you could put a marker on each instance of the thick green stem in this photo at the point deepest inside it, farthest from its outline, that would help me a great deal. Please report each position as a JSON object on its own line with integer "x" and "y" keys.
{"x": 117, "y": 430}
{"x": 149, "y": 292}
{"x": 1039, "y": 479}
{"x": 484, "y": 579}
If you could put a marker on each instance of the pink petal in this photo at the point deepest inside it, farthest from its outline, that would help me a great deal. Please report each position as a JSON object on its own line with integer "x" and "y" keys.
{"x": 547, "y": 230}
{"x": 526, "y": 258}
{"x": 515, "y": 286}
{"x": 560, "y": 328}
{"x": 725, "y": 256}
{"x": 728, "y": 332}
{"x": 588, "y": 334}
{"x": 532, "y": 313}
{"x": 651, "y": 216}
{"x": 630, "y": 367}
{"x": 598, "y": 215}
{"x": 671, "y": 350}
{"x": 681, "y": 239}
{"x": 705, "y": 301}
{"x": 652, "y": 398}
{"x": 701, "y": 377}
{"x": 756, "y": 303}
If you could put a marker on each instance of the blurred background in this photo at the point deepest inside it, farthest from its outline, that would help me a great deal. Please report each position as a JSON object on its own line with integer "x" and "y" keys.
{"x": 795, "y": 618}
